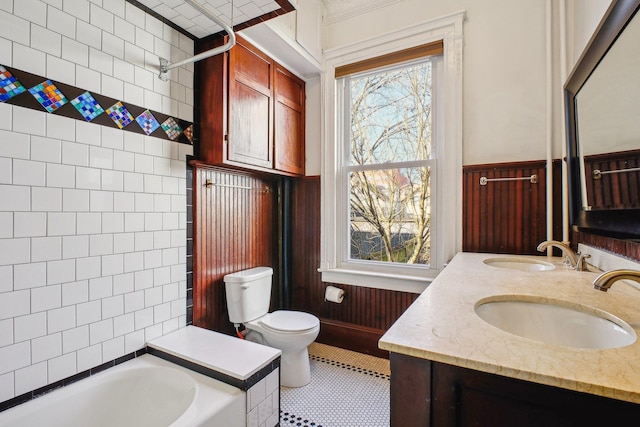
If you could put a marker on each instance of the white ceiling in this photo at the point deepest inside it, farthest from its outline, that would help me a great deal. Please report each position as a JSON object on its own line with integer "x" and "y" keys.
{"x": 188, "y": 18}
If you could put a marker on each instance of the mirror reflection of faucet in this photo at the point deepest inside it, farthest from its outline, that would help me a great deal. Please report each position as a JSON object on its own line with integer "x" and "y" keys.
{"x": 575, "y": 260}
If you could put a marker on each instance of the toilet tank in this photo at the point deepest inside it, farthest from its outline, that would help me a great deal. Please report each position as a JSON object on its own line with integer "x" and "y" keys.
{"x": 248, "y": 293}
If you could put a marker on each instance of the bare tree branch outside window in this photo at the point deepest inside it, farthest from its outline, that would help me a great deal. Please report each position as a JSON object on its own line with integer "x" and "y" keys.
{"x": 390, "y": 216}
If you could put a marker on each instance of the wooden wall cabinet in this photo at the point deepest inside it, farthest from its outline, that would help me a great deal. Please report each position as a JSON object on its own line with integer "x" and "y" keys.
{"x": 251, "y": 111}
{"x": 289, "y": 114}
{"x": 426, "y": 393}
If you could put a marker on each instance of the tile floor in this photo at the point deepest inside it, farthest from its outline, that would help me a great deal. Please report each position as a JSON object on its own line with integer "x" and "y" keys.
{"x": 347, "y": 389}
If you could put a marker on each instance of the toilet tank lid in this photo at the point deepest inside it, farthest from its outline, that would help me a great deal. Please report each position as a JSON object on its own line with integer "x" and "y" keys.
{"x": 250, "y": 274}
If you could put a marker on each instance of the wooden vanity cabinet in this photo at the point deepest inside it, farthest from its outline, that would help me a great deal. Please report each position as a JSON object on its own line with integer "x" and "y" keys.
{"x": 251, "y": 111}
{"x": 426, "y": 393}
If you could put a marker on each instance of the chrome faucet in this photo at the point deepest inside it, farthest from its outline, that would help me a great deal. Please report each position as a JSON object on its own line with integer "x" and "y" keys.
{"x": 568, "y": 252}
{"x": 581, "y": 264}
{"x": 604, "y": 281}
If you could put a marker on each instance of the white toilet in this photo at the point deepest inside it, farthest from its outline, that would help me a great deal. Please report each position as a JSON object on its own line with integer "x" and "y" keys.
{"x": 248, "y": 297}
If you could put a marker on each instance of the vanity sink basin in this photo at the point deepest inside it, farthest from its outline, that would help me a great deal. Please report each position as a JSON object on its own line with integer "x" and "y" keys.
{"x": 521, "y": 264}
{"x": 557, "y": 323}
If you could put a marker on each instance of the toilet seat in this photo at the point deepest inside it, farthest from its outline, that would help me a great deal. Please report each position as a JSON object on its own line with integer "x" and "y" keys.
{"x": 285, "y": 321}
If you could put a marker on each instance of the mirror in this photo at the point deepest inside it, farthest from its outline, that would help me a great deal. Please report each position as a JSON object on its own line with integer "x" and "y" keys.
{"x": 602, "y": 101}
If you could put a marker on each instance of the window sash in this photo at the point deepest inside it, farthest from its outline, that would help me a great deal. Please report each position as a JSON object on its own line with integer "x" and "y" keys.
{"x": 345, "y": 258}
{"x": 344, "y": 221}
{"x": 343, "y": 111}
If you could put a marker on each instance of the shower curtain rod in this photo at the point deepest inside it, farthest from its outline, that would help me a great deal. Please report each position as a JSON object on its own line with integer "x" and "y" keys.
{"x": 164, "y": 64}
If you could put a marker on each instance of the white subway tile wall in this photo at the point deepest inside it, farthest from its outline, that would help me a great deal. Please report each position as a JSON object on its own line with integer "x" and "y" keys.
{"x": 263, "y": 401}
{"x": 92, "y": 219}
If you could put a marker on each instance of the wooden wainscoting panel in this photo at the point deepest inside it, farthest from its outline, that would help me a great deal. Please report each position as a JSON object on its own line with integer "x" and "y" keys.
{"x": 504, "y": 216}
{"x": 617, "y": 190}
{"x": 351, "y": 337}
{"x": 626, "y": 248}
{"x": 359, "y": 321}
{"x": 370, "y": 307}
{"x": 233, "y": 229}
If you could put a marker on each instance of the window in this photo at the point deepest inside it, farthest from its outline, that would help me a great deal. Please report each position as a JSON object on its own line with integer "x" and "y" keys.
{"x": 388, "y": 164}
{"x": 391, "y": 180}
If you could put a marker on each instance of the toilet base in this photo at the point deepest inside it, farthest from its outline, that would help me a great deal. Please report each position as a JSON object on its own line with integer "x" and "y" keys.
{"x": 295, "y": 370}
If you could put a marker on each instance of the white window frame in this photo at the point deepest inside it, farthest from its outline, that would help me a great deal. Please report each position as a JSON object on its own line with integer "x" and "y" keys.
{"x": 447, "y": 186}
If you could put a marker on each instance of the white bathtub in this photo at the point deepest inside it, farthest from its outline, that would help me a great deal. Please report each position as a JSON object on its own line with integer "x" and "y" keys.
{"x": 146, "y": 391}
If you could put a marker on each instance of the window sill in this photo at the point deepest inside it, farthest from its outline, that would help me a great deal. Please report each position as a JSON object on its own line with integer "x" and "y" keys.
{"x": 370, "y": 279}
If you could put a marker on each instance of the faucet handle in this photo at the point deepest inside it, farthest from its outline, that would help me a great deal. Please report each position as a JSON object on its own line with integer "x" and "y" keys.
{"x": 581, "y": 264}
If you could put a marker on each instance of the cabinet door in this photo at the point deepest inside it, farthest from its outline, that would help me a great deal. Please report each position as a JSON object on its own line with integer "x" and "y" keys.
{"x": 289, "y": 122}
{"x": 463, "y": 397}
{"x": 250, "y": 133}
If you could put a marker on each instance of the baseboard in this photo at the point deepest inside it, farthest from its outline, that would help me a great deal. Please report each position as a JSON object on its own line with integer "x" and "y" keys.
{"x": 351, "y": 337}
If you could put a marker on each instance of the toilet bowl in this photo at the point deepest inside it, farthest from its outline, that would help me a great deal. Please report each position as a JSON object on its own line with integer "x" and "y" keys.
{"x": 248, "y": 297}
{"x": 291, "y": 332}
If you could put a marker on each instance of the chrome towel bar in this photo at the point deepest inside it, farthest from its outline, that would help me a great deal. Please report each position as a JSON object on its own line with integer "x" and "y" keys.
{"x": 597, "y": 173}
{"x": 209, "y": 183}
{"x": 532, "y": 179}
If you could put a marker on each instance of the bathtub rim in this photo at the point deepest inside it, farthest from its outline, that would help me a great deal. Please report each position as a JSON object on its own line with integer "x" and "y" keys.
{"x": 210, "y": 390}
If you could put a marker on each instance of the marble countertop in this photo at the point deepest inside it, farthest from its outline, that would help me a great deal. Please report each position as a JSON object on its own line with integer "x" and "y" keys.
{"x": 442, "y": 325}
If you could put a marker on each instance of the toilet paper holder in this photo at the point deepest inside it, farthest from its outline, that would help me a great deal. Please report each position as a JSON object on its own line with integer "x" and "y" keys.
{"x": 333, "y": 294}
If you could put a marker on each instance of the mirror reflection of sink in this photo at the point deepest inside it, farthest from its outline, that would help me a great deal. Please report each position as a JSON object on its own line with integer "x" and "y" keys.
{"x": 557, "y": 323}
{"x": 522, "y": 264}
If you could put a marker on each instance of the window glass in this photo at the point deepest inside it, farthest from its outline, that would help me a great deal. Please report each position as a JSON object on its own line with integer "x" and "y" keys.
{"x": 391, "y": 115}
{"x": 390, "y": 160}
{"x": 390, "y": 214}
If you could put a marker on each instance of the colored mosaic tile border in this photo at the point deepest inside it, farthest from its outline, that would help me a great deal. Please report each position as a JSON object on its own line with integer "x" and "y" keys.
{"x": 39, "y": 93}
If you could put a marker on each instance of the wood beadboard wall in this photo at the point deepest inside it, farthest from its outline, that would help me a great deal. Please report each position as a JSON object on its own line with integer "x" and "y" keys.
{"x": 361, "y": 319}
{"x": 504, "y": 216}
{"x": 615, "y": 190}
{"x": 626, "y": 248}
{"x": 612, "y": 191}
{"x": 234, "y": 228}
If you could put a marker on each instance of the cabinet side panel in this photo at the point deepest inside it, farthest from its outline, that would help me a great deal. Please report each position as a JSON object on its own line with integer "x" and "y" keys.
{"x": 410, "y": 391}
{"x": 212, "y": 97}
